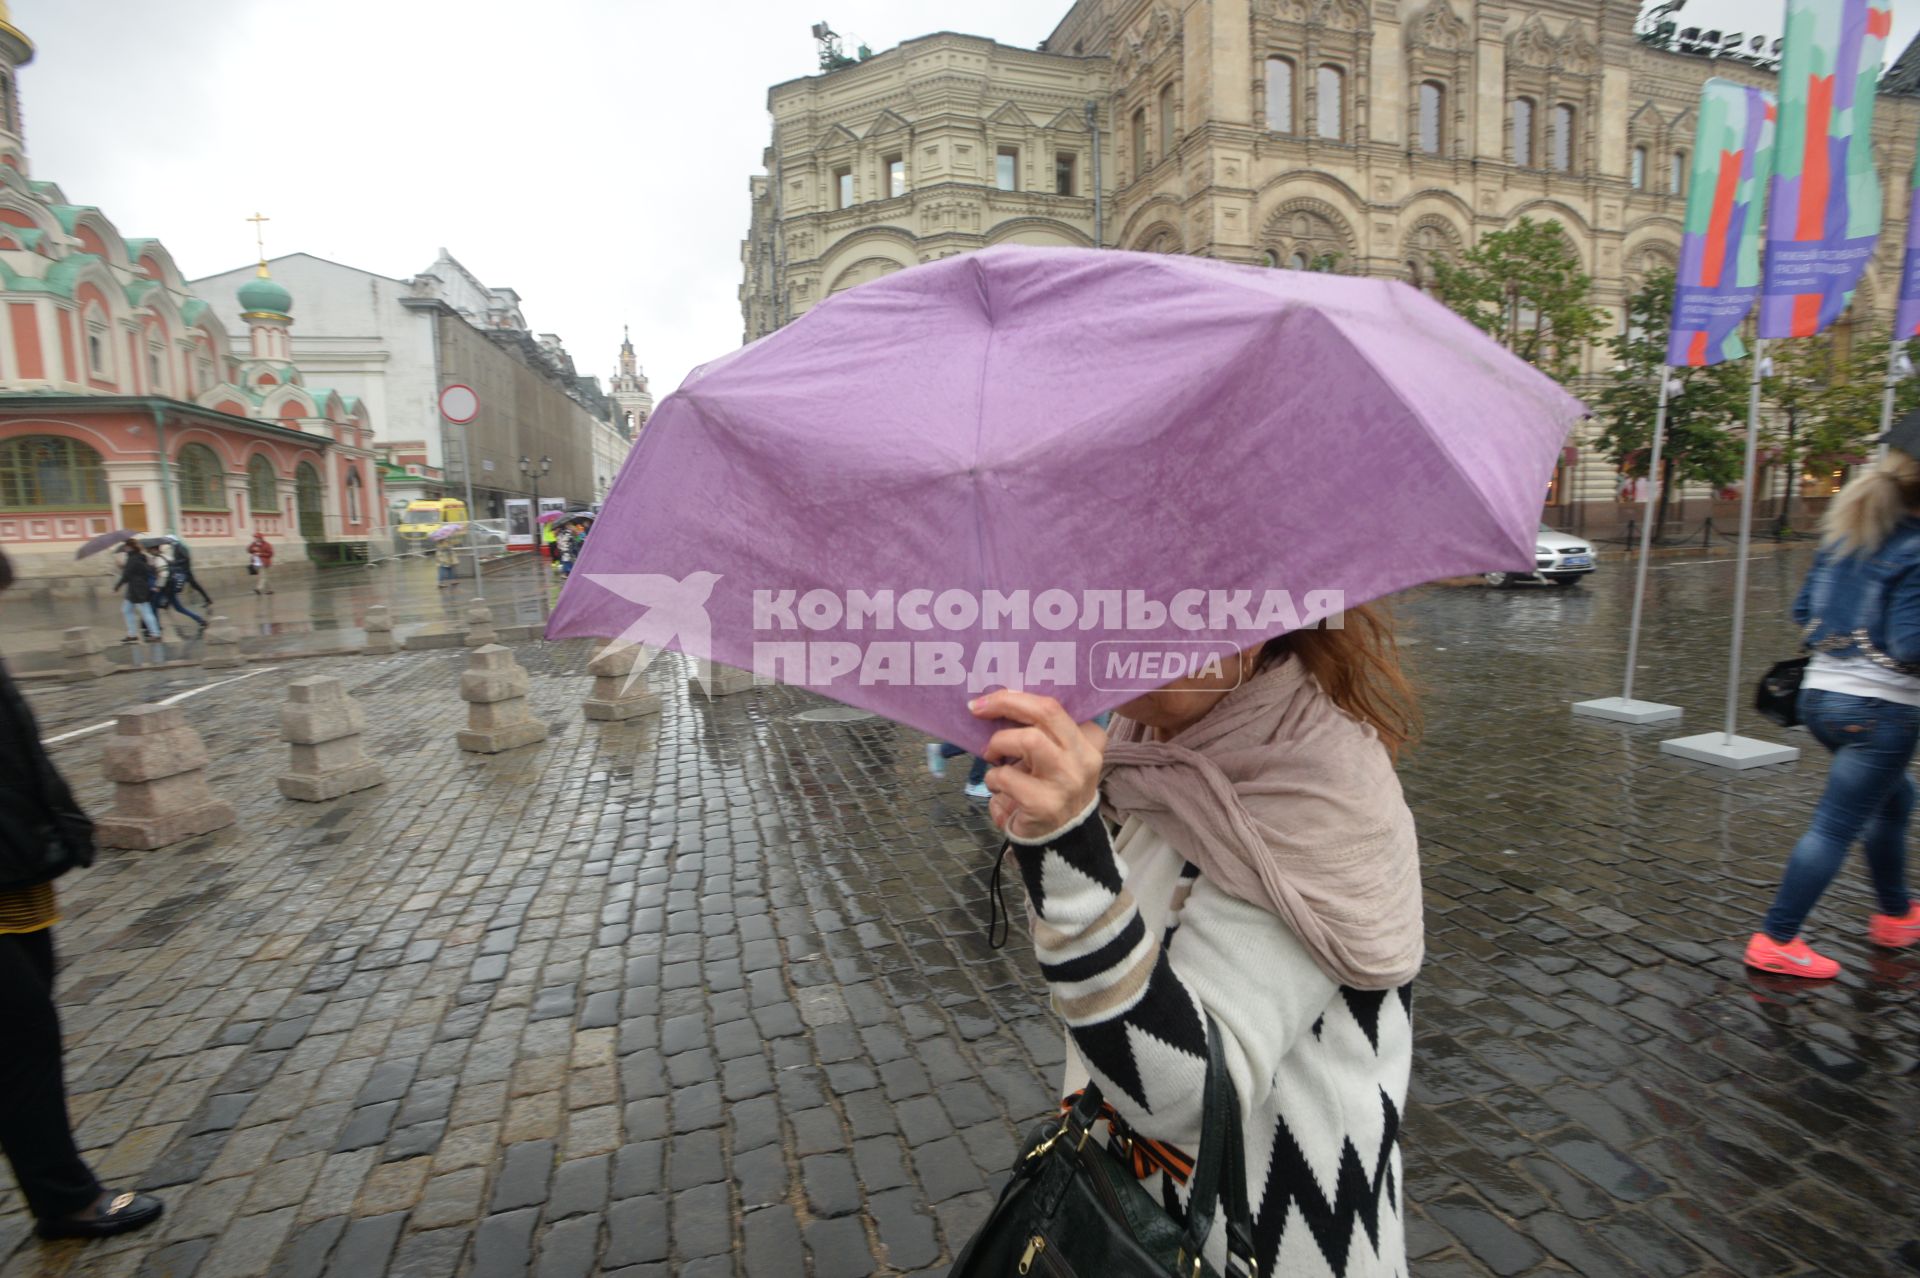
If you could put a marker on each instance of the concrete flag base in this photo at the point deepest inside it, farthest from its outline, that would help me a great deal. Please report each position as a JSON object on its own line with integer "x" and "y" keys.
{"x": 713, "y": 680}
{"x": 480, "y": 631}
{"x": 379, "y": 628}
{"x": 220, "y": 648}
{"x": 619, "y": 690}
{"x": 324, "y": 727}
{"x": 1723, "y": 751}
{"x": 158, "y": 766}
{"x": 1627, "y": 710}
{"x": 81, "y": 657}
{"x": 498, "y": 717}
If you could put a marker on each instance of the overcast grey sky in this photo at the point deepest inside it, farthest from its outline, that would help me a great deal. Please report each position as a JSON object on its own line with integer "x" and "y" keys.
{"x": 593, "y": 154}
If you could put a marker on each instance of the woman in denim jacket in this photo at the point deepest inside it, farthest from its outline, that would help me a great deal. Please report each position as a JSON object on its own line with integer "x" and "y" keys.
{"x": 1860, "y": 614}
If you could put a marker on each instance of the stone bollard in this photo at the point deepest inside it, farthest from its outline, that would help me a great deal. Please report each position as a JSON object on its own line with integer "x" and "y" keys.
{"x": 323, "y": 725}
{"x": 81, "y": 656}
{"x": 220, "y": 646}
{"x": 480, "y": 630}
{"x": 379, "y": 625}
{"x": 495, "y": 690}
{"x": 714, "y": 680}
{"x": 159, "y": 769}
{"x": 619, "y": 691}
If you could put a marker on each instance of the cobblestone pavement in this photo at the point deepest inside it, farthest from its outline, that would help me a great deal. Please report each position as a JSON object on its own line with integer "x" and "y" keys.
{"x": 711, "y": 994}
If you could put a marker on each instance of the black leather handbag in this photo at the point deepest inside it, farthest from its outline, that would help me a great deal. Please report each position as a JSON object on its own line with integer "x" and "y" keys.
{"x": 1074, "y": 1209}
{"x": 1777, "y": 696}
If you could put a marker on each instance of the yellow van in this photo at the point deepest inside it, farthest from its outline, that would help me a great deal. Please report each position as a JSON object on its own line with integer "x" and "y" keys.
{"x": 422, "y": 517}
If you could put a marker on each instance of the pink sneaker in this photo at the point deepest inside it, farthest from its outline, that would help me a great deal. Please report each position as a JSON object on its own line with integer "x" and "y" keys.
{"x": 1792, "y": 959}
{"x": 1893, "y": 933}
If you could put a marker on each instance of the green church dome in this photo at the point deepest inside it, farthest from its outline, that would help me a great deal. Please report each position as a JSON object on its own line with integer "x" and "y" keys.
{"x": 265, "y": 294}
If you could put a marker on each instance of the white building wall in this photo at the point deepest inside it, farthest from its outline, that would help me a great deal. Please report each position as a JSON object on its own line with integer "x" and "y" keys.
{"x": 350, "y": 333}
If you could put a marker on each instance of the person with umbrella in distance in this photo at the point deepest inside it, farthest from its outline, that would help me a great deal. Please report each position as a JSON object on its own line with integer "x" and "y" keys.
{"x": 1859, "y": 613}
{"x": 446, "y": 559}
{"x": 135, "y": 584}
{"x": 169, "y": 579}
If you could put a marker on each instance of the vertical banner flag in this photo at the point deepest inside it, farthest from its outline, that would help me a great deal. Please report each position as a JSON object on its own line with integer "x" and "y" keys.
{"x": 1906, "y": 324}
{"x": 1720, "y": 251}
{"x": 1825, "y": 197}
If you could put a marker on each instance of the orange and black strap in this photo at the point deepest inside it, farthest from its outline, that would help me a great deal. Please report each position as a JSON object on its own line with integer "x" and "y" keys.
{"x": 1145, "y": 1155}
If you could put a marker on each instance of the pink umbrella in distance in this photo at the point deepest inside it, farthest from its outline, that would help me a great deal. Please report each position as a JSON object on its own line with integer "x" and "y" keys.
{"x": 1077, "y": 471}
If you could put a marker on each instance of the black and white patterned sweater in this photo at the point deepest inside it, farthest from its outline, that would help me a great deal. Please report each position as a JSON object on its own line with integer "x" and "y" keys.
{"x": 1134, "y": 943}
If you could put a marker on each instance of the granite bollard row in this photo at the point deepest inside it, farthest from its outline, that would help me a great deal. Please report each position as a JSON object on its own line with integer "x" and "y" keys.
{"x": 220, "y": 646}
{"x": 324, "y": 727}
{"x": 81, "y": 656}
{"x": 619, "y": 688}
{"x": 711, "y": 679}
{"x": 498, "y": 717}
{"x": 480, "y": 631}
{"x": 379, "y": 628}
{"x": 159, "y": 769}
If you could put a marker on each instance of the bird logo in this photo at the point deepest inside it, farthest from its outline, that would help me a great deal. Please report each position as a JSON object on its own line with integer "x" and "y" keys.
{"x": 670, "y": 609}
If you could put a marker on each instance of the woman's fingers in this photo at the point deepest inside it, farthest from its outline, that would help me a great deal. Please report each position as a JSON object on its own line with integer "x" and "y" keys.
{"x": 1032, "y": 747}
{"x": 1026, "y": 707}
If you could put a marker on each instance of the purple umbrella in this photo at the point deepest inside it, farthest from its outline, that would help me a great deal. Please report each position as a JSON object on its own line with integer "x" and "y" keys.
{"x": 445, "y": 531}
{"x": 1077, "y": 471}
{"x": 97, "y": 544}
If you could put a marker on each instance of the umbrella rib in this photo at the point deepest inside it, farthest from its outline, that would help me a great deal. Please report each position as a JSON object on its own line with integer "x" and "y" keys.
{"x": 980, "y": 539}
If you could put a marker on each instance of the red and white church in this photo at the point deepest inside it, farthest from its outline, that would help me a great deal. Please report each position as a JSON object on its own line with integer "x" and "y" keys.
{"x": 122, "y": 407}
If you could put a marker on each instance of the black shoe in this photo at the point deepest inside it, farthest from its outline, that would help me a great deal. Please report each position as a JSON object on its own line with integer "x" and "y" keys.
{"x": 116, "y": 1214}
{"x": 131, "y": 639}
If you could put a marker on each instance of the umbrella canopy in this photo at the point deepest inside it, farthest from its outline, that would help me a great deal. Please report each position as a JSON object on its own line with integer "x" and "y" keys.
{"x": 165, "y": 539}
{"x": 553, "y": 516}
{"x": 1077, "y": 471}
{"x": 105, "y": 541}
{"x": 445, "y": 531}
{"x": 578, "y": 517}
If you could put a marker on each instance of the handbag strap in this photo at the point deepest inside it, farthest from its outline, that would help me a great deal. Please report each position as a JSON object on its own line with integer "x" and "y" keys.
{"x": 1220, "y": 1163}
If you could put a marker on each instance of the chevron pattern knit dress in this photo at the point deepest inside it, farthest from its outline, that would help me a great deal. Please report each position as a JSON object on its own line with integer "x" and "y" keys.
{"x": 1134, "y": 944}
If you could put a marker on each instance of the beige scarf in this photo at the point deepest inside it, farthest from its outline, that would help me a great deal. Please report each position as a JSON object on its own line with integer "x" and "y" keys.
{"x": 1284, "y": 801}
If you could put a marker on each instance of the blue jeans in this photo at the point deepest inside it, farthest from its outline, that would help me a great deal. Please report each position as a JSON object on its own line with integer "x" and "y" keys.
{"x": 139, "y": 612}
{"x": 169, "y": 597}
{"x": 1869, "y": 797}
{"x": 977, "y": 773}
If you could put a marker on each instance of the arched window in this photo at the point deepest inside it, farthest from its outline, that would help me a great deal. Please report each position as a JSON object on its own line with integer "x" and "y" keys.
{"x": 306, "y": 501}
{"x": 1433, "y": 102}
{"x": 156, "y": 368}
{"x": 1560, "y": 144}
{"x": 1330, "y": 96}
{"x": 98, "y": 349}
{"x": 1280, "y": 95}
{"x": 200, "y": 479}
{"x": 353, "y": 495}
{"x": 1140, "y": 142}
{"x": 263, "y": 486}
{"x": 1637, "y": 175}
{"x": 1523, "y": 132}
{"x": 1677, "y": 173}
{"x": 1269, "y": 259}
{"x": 1166, "y": 120}
{"x": 1298, "y": 262}
{"x": 49, "y": 472}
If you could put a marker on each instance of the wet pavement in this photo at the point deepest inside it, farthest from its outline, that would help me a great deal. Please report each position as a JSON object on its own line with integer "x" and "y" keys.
{"x": 711, "y": 994}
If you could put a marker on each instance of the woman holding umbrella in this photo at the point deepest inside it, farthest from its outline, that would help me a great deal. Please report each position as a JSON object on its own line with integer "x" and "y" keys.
{"x": 1264, "y": 873}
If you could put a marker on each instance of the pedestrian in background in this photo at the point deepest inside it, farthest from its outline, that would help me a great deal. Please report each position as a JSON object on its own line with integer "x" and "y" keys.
{"x": 168, "y": 580}
{"x": 135, "y": 585}
{"x": 938, "y": 752}
{"x": 1859, "y": 613}
{"x": 446, "y": 560}
{"x": 259, "y": 561}
{"x": 43, "y": 834}
{"x": 181, "y": 562}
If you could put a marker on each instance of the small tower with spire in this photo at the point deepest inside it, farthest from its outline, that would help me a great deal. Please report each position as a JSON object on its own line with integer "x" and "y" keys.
{"x": 15, "y": 52}
{"x": 629, "y": 392}
{"x": 266, "y": 306}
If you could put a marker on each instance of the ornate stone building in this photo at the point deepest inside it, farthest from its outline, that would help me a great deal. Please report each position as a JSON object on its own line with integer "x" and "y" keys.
{"x": 1369, "y": 136}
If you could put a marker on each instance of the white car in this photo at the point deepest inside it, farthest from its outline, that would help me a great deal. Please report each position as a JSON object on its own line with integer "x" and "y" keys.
{"x": 1558, "y": 557}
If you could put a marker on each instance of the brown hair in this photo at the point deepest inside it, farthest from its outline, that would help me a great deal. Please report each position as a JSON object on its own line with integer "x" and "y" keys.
{"x": 1357, "y": 663}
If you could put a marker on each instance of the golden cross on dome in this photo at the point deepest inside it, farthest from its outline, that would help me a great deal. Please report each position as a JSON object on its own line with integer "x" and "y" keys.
{"x": 259, "y": 221}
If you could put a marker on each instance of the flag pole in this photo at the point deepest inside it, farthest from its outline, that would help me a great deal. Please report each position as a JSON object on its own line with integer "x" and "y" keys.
{"x": 1746, "y": 539}
{"x": 1647, "y": 517}
{"x": 1886, "y": 400}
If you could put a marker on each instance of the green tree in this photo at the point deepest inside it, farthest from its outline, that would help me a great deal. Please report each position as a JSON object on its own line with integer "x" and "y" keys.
{"x": 1524, "y": 287}
{"x": 1830, "y": 402}
{"x": 1704, "y": 442}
